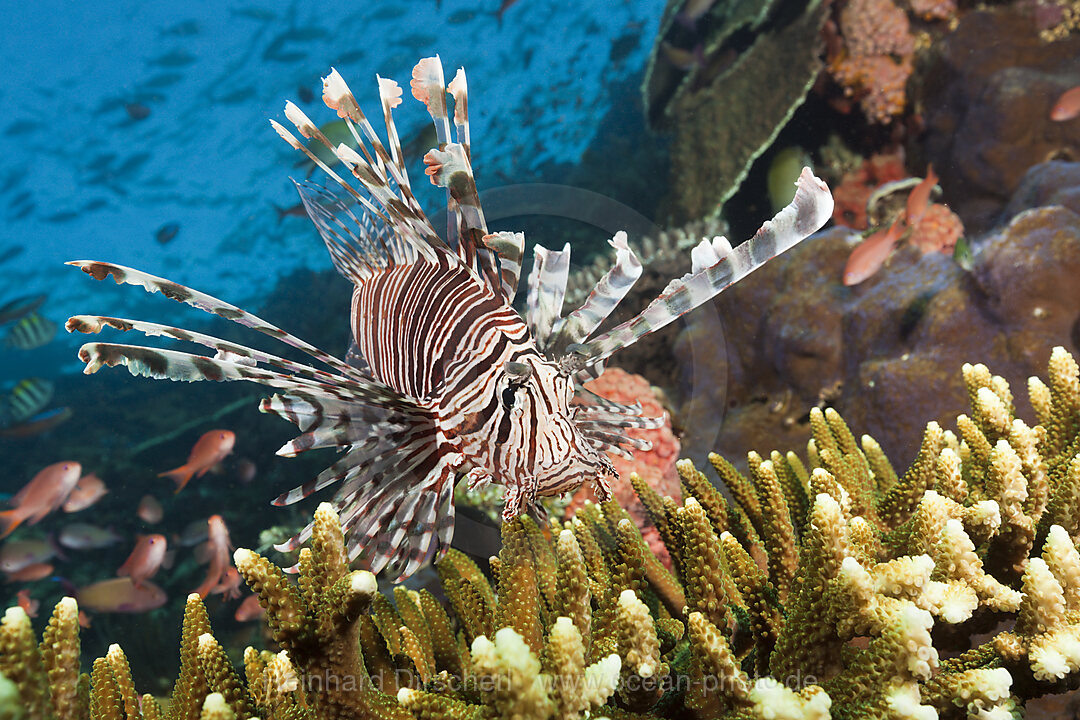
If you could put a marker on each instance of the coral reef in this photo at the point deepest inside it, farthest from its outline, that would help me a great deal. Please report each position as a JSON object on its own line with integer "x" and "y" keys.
{"x": 828, "y": 586}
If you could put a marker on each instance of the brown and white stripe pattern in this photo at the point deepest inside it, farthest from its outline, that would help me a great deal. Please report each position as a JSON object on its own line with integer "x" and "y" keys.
{"x": 445, "y": 377}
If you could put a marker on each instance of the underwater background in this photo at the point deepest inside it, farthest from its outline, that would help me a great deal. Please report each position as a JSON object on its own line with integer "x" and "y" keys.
{"x": 139, "y": 134}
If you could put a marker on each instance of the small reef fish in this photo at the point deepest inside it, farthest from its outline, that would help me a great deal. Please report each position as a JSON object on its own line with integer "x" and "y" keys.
{"x": 919, "y": 199}
{"x": 194, "y": 533}
{"x": 963, "y": 255}
{"x": 1067, "y": 106}
{"x": 209, "y": 450}
{"x": 31, "y": 332}
{"x": 28, "y": 398}
{"x": 20, "y": 307}
{"x": 88, "y": 491}
{"x": 45, "y": 493}
{"x": 868, "y": 257}
{"x": 30, "y": 573}
{"x": 692, "y": 11}
{"x": 220, "y": 556}
{"x": 297, "y": 210}
{"x": 245, "y": 471}
{"x": 336, "y": 132}
{"x": 249, "y": 609}
{"x": 447, "y": 377}
{"x": 40, "y": 423}
{"x": 16, "y": 555}
{"x": 145, "y": 559}
{"x": 29, "y": 605}
{"x": 120, "y": 595}
{"x": 150, "y": 510}
{"x": 167, "y": 233}
{"x": 783, "y": 172}
{"x": 229, "y": 586}
{"x": 136, "y": 111}
{"x": 84, "y": 536}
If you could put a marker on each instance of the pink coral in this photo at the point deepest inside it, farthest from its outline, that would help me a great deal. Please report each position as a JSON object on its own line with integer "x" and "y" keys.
{"x": 655, "y": 466}
{"x": 875, "y": 59}
{"x": 938, "y": 230}
{"x": 875, "y": 27}
{"x": 879, "y": 81}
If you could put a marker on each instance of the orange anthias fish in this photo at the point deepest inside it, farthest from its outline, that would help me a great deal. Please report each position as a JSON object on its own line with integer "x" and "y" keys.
{"x": 120, "y": 595}
{"x": 211, "y": 449}
{"x": 229, "y": 585}
{"x": 29, "y": 606}
{"x": 870, "y": 255}
{"x": 88, "y": 491}
{"x": 1067, "y": 106}
{"x": 42, "y": 495}
{"x": 919, "y": 199}
{"x": 220, "y": 552}
{"x": 249, "y": 610}
{"x": 145, "y": 559}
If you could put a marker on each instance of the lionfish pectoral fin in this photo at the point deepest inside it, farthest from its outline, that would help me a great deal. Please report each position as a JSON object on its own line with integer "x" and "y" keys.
{"x": 809, "y": 211}
{"x": 405, "y": 524}
{"x": 210, "y": 304}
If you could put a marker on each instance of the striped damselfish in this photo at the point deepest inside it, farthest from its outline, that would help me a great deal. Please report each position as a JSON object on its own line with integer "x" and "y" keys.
{"x": 445, "y": 380}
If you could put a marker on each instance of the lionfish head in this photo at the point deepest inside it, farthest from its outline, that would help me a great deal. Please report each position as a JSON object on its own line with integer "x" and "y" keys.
{"x": 536, "y": 402}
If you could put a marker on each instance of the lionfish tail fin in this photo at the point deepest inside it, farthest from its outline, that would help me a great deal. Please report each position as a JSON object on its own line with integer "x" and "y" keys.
{"x": 717, "y": 267}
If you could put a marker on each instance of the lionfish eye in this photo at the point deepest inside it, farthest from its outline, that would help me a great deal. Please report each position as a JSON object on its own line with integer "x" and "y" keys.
{"x": 518, "y": 372}
{"x": 509, "y": 394}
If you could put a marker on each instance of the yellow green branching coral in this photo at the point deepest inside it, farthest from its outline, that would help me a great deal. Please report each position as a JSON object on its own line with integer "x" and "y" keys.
{"x": 827, "y": 587}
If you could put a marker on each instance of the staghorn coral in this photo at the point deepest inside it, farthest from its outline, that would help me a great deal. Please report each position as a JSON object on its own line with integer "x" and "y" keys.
{"x": 833, "y": 586}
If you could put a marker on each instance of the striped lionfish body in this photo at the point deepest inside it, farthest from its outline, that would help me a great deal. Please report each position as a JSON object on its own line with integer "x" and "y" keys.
{"x": 445, "y": 378}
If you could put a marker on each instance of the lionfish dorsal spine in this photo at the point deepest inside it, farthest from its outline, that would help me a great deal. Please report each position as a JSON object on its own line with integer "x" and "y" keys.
{"x": 602, "y": 300}
{"x": 808, "y": 211}
{"x": 546, "y": 290}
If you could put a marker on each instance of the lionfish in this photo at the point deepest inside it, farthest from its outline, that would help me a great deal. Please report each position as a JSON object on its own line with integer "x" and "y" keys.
{"x": 444, "y": 378}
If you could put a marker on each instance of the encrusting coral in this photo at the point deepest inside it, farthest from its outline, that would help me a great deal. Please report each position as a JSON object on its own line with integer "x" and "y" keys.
{"x": 826, "y": 587}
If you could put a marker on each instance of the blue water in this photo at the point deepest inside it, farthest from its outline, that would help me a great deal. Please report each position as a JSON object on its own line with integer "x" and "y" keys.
{"x": 81, "y": 177}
